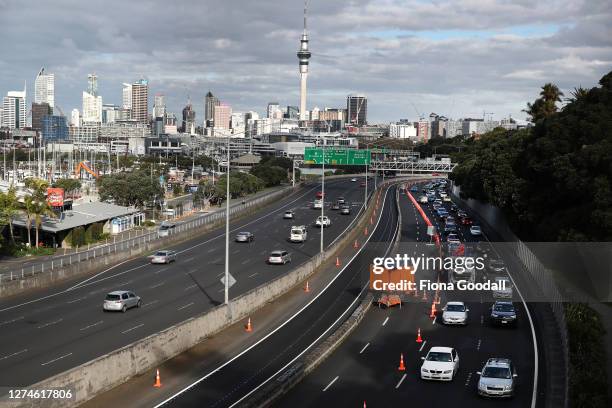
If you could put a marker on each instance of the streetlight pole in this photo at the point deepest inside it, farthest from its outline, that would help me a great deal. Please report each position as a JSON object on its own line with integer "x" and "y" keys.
{"x": 227, "y": 218}
{"x": 322, "y": 196}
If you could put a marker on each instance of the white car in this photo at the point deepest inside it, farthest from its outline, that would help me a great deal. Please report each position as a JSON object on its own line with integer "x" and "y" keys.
{"x": 446, "y": 199}
{"x": 353, "y": 180}
{"x": 163, "y": 257}
{"x": 441, "y": 363}
{"x": 475, "y": 230}
{"x": 423, "y": 200}
{"x": 298, "y": 233}
{"x": 317, "y": 204}
{"x": 455, "y": 313}
{"x": 288, "y": 215}
{"x": 323, "y": 221}
{"x": 505, "y": 288}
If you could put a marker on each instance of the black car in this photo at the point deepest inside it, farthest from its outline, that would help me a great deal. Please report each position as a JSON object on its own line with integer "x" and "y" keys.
{"x": 503, "y": 314}
{"x": 335, "y": 206}
{"x": 454, "y": 208}
{"x": 345, "y": 210}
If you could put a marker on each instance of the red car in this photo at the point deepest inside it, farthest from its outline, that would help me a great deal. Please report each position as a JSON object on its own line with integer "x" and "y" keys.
{"x": 466, "y": 221}
{"x": 320, "y": 194}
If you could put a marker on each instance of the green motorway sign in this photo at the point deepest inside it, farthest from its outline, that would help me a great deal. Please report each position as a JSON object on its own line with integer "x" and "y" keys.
{"x": 313, "y": 155}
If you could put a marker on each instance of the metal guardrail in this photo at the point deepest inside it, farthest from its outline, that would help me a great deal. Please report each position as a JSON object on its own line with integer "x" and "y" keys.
{"x": 140, "y": 238}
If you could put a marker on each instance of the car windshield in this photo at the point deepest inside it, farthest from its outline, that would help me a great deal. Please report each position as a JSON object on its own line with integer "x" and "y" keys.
{"x": 288, "y": 212}
{"x": 455, "y": 308}
{"x": 113, "y": 297}
{"x": 438, "y": 356}
{"x": 296, "y": 230}
{"x": 497, "y": 372}
{"x": 504, "y": 307}
{"x": 164, "y": 227}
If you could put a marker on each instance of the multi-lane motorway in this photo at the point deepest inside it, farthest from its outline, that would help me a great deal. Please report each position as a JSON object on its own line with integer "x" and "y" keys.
{"x": 48, "y": 331}
{"x": 365, "y": 367}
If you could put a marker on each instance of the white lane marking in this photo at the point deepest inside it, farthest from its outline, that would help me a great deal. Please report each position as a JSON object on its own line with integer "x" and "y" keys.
{"x": 331, "y": 383}
{"x": 400, "y": 381}
{"x": 190, "y": 287}
{"x": 386, "y": 320}
{"x": 150, "y": 303}
{"x": 280, "y": 326}
{"x": 211, "y": 250}
{"x": 100, "y": 273}
{"x": 77, "y": 300}
{"x": 11, "y": 321}
{"x": 235, "y": 252}
{"x": 160, "y": 270}
{"x": 254, "y": 274}
{"x": 467, "y": 380}
{"x": 50, "y": 323}
{"x": 422, "y": 345}
{"x": 246, "y": 261}
{"x": 189, "y": 259}
{"x": 14, "y": 354}
{"x": 478, "y": 345}
{"x": 133, "y": 328}
{"x": 56, "y": 359}
{"x": 434, "y": 320}
{"x": 185, "y": 306}
{"x": 481, "y": 319}
{"x": 123, "y": 283}
{"x": 92, "y": 325}
{"x": 156, "y": 286}
{"x": 364, "y": 347}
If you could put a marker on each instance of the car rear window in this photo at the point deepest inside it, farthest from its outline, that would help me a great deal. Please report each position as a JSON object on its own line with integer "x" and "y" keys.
{"x": 113, "y": 297}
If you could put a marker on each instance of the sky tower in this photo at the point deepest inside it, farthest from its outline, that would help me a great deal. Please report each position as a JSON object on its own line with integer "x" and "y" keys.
{"x": 303, "y": 55}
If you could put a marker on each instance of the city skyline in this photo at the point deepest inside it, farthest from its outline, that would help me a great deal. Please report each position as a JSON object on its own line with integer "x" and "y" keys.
{"x": 369, "y": 47}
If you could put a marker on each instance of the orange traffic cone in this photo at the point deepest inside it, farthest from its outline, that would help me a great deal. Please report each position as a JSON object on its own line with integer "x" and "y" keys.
{"x": 307, "y": 287}
{"x": 401, "y": 367}
{"x": 365, "y": 231}
{"x": 337, "y": 261}
{"x": 157, "y": 380}
{"x": 433, "y": 310}
{"x": 356, "y": 244}
{"x": 419, "y": 339}
{"x": 249, "y": 327}
{"x": 371, "y": 221}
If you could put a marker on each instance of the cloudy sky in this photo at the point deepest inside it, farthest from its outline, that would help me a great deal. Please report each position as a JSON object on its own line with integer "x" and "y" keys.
{"x": 456, "y": 57}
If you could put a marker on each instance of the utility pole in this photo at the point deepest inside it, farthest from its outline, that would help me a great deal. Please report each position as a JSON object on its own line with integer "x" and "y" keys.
{"x": 227, "y": 220}
{"x": 322, "y": 196}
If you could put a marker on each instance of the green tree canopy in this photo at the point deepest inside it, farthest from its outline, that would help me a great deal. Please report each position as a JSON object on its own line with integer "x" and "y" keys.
{"x": 130, "y": 189}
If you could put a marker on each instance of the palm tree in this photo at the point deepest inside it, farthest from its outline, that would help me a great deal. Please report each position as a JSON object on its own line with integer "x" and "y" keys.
{"x": 577, "y": 94}
{"x": 28, "y": 202}
{"x": 38, "y": 205}
{"x": 41, "y": 209}
{"x": 9, "y": 208}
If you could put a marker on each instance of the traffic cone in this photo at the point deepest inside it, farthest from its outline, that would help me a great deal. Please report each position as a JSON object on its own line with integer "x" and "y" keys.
{"x": 356, "y": 244}
{"x": 337, "y": 261}
{"x": 365, "y": 231}
{"x": 364, "y": 404}
{"x": 401, "y": 367}
{"x": 307, "y": 287}
{"x": 371, "y": 221}
{"x": 433, "y": 310}
{"x": 419, "y": 339}
{"x": 157, "y": 380}
{"x": 248, "y": 327}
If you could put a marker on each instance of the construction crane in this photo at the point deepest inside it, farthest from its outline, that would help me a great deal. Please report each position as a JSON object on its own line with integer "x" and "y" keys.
{"x": 416, "y": 110}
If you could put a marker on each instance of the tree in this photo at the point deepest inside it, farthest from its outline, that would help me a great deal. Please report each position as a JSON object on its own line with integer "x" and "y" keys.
{"x": 28, "y": 202}
{"x": 69, "y": 185}
{"x": 270, "y": 175}
{"x": 39, "y": 207}
{"x": 545, "y": 106}
{"x": 129, "y": 189}
{"x": 9, "y": 208}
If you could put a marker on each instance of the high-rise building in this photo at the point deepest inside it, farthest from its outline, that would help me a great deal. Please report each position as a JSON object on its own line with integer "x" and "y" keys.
{"x": 210, "y": 102}
{"x": 14, "y": 111}
{"x": 303, "y": 55}
{"x": 314, "y": 113}
{"x": 159, "y": 106}
{"x": 92, "y": 108}
{"x": 189, "y": 116}
{"x": 357, "y": 110}
{"x": 223, "y": 114}
{"x": 140, "y": 101}
{"x": 39, "y": 110}
{"x": 274, "y": 111}
{"x": 54, "y": 128}
{"x": 110, "y": 113}
{"x": 293, "y": 112}
{"x": 402, "y": 131}
{"x": 44, "y": 88}
{"x": 423, "y": 130}
{"x": 126, "y": 96}
{"x": 75, "y": 118}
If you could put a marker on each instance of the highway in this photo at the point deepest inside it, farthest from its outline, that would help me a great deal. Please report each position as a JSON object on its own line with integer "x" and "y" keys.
{"x": 233, "y": 381}
{"x": 365, "y": 367}
{"x": 51, "y": 330}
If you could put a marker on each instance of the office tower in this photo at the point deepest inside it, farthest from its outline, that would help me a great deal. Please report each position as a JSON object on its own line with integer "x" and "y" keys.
{"x": 357, "y": 110}
{"x": 54, "y": 128}
{"x": 127, "y": 96}
{"x": 44, "y": 88}
{"x": 39, "y": 110}
{"x": 159, "y": 106}
{"x": 303, "y": 55}
{"x": 188, "y": 124}
{"x": 223, "y": 114}
{"x": 210, "y": 103}
{"x": 14, "y": 111}
{"x": 293, "y": 112}
{"x": 110, "y": 113}
{"x": 140, "y": 101}
{"x": 273, "y": 110}
{"x": 75, "y": 118}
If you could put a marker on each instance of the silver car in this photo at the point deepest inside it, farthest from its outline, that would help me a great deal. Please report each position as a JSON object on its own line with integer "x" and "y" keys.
{"x": 121, "y": 300}
{"x": 163, "y": 257}
{"x": 279, "y": 257}
{"x": 245, "y": 237}
{"x": 497, "y": 378}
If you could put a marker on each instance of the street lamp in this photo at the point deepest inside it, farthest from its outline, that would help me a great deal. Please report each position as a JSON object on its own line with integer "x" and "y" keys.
{"x": 322, "y": 195}
{"x": 227, "y": 212}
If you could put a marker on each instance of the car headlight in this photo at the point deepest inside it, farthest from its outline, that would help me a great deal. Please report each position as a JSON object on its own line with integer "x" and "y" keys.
{"x": 508, "y": 387}
{"x": 424, "y": 370}
{"x": 481, "y": 386}
{"x": 447, "y": 371}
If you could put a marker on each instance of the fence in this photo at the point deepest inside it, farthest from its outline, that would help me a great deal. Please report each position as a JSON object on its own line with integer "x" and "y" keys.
{"x": 138, "y": 240}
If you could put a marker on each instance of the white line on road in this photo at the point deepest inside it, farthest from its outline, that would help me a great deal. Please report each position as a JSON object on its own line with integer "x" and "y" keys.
{"x": 211, "y": 250}
{"x": 478, "y": 345}
{"x": 92, "y": 325}
{"x": 235, "y": 252}
{"x": 190, "y": 286}
{"x": 56, "y": 359}
{"x": 76, "y": 300}
{"x": 364, "y": 347}
{"x": 246, "y": 261}
{"x": 160, "y": 270}
{"x": 133, "y": 328}
{"x": 189, "y": 259}
{"x": 386, "y": 320}
{"x": 254, "y": 274}
{"x": 423, "y": 345}
{"x": 331, "y": 383}
{"x": 150, "y": 303}
{"x": 467, "y": 380}
{"x": 49, "y": 324}
{"x": 11, "y": 321}
{"x": 156, "y": 286}
{"x": 400, "y": 381}
{"x": 185, "y": 306}
{"x": 123, "y": 283}
{"x": 14, "y": 354}
{"x": 481, "y": 319}
{"x": 434, "y": 320}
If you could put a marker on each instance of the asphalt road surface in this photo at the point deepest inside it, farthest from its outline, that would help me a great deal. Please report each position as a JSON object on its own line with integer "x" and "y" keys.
{"x": 365, "y": 367}
{"x": 49, "y": 331}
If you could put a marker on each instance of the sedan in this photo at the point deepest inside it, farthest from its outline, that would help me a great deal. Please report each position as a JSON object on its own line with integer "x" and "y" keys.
{"x": 353, "y": 180}
{"x": 453, "y": 238}
{"x": 466, "y": 221}
{"x": 475, "y": 230}
{"x": 455, "y": 313}
{"x": 335, "y": 206}
{"x": 121, "y": 300}
{"x": 503, "y": 314}
{"x": 341, "y": 200}
{"x": 323, "y": 221}
{"x": 163, "y": 257}
{"x": 245, "y": 236}
{"x": 279, "y": 257}
{"x": 497, "y": 378}
{"x": 441, "y": 363}
{"x": 288, "y": 215}
{"x": 345, "y": 210}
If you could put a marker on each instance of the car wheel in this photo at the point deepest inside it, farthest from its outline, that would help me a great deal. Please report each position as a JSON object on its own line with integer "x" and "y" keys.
{"x": 124, "y": 309}
{"x": 139, "y": 304}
